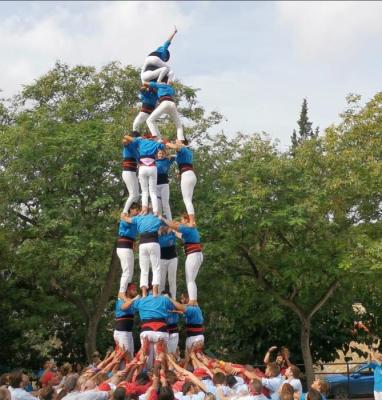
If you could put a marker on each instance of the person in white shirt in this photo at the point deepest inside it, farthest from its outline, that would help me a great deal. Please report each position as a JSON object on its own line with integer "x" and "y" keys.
{"x": 236, "y": 385}
{"x": 256, "y": 390}
{"x": 190, "y": 391}
{"x": 273, "y": 380}
{"x": 292, "y": 375}
{"x": 15, "y": 387}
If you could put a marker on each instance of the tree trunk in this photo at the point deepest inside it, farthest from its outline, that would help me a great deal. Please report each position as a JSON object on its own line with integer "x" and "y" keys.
{"x": 102, "y": 300}
{"x": 305, "y": 348}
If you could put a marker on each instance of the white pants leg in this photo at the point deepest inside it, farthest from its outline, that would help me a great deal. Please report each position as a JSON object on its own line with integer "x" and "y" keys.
{"x": 149, "y": 253}
{"x": 172, "y": 343}
{"x": 193, "y": 339}
{"x": 187, "y": 184}
{"x": 139, "y": 120}
{"x": 158, "y": 74}
{"x": 125, "y": 339}
{"x": 169, "y": 108}
{"x": 148, "y": 181}
{"x": 173, "y": 112}
{"x": 163, "y": 194}
{"x": 153, "y": 337}
{"x": 163, "y": 264}
{"x": 168, "y": 269}
{"x": 126, "y": 257}
{"x": 377, "y": 395}
{"x": 193, "y": 263}
{"x": 131, "y": 182}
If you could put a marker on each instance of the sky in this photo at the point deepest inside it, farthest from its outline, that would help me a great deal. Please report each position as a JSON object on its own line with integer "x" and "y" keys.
{"x": 253, "y": 61}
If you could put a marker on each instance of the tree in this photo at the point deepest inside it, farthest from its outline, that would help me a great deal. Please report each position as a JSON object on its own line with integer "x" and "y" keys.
{"x": 305, "y": 130}
{"x": 61, "y": 185}
{"x": 290, "y": 225}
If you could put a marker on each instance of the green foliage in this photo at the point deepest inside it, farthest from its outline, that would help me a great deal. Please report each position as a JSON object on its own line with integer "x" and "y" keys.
{"x": 277, "y": 230}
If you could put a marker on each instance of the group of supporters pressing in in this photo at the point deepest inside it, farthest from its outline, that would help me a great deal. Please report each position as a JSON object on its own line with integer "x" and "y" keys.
{"x": 197, "y": 377}
{"x": 146, "y": 165}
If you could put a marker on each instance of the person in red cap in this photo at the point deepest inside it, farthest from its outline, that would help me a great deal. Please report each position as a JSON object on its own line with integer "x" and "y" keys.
{"x": 124, "y": 319}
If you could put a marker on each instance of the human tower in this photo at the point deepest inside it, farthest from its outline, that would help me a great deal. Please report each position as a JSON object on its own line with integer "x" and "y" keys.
{"x": 146, "y": 164}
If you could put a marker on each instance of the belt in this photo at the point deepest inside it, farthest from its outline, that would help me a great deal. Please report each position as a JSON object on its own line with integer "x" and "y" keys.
{"x": 147, "y": 108}
{"x": 149, "y": 237}
{"x": 124, "y": 242}
{"x": 124, "y": 324}
{"x": 194, "y": 329}
{"x": 156, "y": 325}
{"x": 185, "y": 167}
{"x": 129, "y": 164}
{"x": 166, "y": 98}
{"x": 190, "y": 248}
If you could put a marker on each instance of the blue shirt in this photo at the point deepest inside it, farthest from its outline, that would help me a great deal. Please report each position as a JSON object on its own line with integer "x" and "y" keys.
{"x": 127, "y": 230}
{"x": 146, "y": 223}
{"x": 148, "y": 97}
{"x": 119, "y": 313}
{"x": 189, "y": 235}
{"x": 184, "y": 156}
{"x": 194, "y": 315}
{"x": 164, "y": 165}
{"x": 147, "y": 148}
{"x": 163, "y": 49}
{"x": 172, "y": 318}
{"x": 377, "y": 368}
{"x": 167, "y": 240}
{"x": 151, "y": 307}
{"x": 130, "y": 151}
{"x": 163, "y": 89}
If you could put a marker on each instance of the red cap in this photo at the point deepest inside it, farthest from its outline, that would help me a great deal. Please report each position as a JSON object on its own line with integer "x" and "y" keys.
{"x": 200, "y": 372}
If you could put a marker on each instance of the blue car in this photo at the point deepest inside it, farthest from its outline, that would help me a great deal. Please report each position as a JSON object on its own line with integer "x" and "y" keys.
{"x": 359, "y": 384}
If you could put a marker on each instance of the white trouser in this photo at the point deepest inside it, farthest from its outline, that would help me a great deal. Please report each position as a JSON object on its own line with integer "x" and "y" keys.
{"x": 131, "y": 182}
{"x": 172, "y": 343}
{"x": 163, "y": 196}
{"x": 126, "y": 257}
{"x": 125, "y": 339}
{"x": 377, "y": 395}
{"x": 193, "y": 339}
{"x": 165, "y": 107}
{"x": 193, "y": 263}
{"x": 157, "y": 74}
{"x": 149, "y": 253}
{"x": 148, "y": 181}
{"x": 139, "y": 120}
{"x": 153, "y": 337}
{"x": 168, "y": 267}
{"x": 187, "y": 184}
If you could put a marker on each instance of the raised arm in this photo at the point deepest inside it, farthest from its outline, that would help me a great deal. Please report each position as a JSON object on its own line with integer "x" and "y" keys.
{"x": 172, "y": 35}
{"x": 268, "y": 354}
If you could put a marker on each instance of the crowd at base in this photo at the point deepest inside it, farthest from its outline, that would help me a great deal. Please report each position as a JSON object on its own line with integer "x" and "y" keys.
{"x": 165, "y": 377}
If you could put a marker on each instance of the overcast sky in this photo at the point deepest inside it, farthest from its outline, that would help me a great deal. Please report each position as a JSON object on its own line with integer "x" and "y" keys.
{"x": 253, "y": 61}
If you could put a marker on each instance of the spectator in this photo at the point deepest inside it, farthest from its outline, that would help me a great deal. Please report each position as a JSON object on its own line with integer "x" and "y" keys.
{"x": 16, "y": 389}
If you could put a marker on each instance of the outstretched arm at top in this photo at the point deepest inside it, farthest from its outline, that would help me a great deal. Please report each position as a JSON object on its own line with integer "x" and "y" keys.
{"x": 172, "y": 35}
